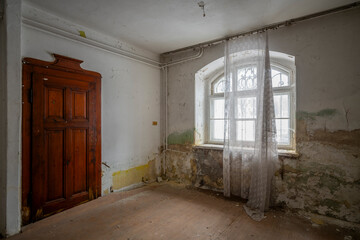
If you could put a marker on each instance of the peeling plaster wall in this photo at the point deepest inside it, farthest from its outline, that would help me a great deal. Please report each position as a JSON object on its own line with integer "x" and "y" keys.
{"x": 325, "y": 178}
{"x": 130, "y": 98}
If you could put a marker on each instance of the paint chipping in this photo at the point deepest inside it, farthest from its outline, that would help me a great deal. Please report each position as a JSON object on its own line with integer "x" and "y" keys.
{"x": 323, "y": 179}
{"x": 82, "y": 34}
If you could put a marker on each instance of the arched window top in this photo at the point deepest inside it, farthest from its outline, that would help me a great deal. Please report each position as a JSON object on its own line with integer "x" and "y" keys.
{"x": 209, "y": 98}
{"x": 218, "y": 85}
{"x": 247, "y": 79}
{"x": 280, "y": 77}
{"x": 212, "y": 69}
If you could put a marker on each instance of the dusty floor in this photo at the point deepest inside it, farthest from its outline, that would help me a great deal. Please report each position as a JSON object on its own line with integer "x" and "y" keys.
{"x": 171, "y": 211}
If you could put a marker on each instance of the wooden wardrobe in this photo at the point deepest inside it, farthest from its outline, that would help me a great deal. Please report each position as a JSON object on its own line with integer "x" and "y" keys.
{"x": 61, "y": 136}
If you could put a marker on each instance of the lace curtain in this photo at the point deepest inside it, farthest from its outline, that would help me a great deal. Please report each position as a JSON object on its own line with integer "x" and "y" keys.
{"x": 250, "y": 152}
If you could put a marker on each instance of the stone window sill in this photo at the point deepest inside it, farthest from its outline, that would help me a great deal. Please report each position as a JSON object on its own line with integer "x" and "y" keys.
{"x": 282, "y": 152}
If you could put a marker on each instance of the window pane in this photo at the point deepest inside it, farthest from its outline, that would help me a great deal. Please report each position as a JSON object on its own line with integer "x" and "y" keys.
{"x": 247, "y": 78}
{"x": 246, "y": 107}
{"x": 217, "y": 129}
{"x": 219, "y": 86}
{"x": 282, "y": 131}
{"x": 217, "y": 108}
{"x": 281, "y": 103}
{"x": 245, "y": 130}
{"x": 279, "y": 79}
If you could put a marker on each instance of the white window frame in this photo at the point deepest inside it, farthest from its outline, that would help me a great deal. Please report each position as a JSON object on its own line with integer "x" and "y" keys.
{"x": 290, "y": 89}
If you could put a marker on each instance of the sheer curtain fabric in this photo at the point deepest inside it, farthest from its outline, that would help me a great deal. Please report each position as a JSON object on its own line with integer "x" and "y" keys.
{"x": 250, "y": 151}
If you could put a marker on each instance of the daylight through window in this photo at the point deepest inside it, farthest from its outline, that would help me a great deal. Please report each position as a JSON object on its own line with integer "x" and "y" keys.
{"x": 283, "y": 84}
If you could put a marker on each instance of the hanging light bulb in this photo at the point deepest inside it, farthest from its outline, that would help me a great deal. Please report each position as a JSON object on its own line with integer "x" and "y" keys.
{"x": 202, "y": 6}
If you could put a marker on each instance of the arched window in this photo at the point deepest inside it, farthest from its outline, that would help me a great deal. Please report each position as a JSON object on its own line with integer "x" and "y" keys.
{"x": 283, "y": 83}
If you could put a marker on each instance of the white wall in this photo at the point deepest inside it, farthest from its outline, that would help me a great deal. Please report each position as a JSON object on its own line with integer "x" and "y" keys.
{"x": 130, "y": 101}
{"x": 2, "y": 122}
{"x": 10, "y": 163}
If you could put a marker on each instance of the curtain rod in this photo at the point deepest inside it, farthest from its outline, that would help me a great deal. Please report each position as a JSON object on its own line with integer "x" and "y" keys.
{"x": 270, "y": 27}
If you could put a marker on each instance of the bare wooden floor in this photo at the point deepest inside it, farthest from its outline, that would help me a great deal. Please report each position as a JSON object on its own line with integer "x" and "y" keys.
{"x": 170, "y": 211}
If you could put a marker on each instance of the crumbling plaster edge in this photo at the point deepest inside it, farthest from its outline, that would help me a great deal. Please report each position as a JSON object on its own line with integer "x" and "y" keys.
{"x": 324, "y": 220}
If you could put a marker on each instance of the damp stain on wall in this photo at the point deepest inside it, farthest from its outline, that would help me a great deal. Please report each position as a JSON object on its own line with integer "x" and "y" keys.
{"x": 325, "y": 113}
{"x": 186, "y": 137}
{"x": 323, "y": 178}
{"x": 325, "y": 185}
{"x": 180, "y": 163}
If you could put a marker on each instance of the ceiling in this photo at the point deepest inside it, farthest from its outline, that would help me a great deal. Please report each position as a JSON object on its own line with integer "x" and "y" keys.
{"x": 165, "y": 25}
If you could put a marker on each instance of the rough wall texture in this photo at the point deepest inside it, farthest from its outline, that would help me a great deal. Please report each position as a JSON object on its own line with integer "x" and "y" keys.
{"x": 209, "y": 172}
{"x": 180, "y": 163}
{"x": 324, "y": 179}
{"x": 325, "y": 176}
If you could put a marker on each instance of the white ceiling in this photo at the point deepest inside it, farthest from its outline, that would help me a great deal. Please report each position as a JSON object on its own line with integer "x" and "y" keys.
{"x": 165, "y": 25}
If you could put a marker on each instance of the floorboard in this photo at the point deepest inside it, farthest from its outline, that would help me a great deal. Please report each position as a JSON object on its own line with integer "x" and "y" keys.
{"x": 171, "y": 211}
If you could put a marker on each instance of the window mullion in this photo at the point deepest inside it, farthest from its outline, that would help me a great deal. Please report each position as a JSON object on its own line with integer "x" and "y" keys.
{"x": 234, "y": 80}
{"x": 247, "y": 91}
